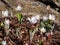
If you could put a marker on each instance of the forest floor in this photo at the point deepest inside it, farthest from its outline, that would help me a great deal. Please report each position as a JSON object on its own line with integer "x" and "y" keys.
{"x": 30, "y": 7}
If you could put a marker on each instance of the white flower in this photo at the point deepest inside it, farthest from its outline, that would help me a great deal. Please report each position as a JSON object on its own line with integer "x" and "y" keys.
{"x": 37, "y": 17}
{"x": 51, "y": 17}
{"x": 51, "y": 33}
{"x": 5, "y": 13}
{"x": 43, "y": 30}
{"x": 4, "y": 43}
{"x": 7, "y": 21}
{"x": 45, "y": 18}
{"x": 6, "y": 24}
{"x": 32, "y": 20}
{"x": 18, "y": 8}
{"x": 26, "y": 43}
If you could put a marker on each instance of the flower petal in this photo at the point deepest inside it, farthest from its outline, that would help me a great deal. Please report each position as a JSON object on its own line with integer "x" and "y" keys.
{"x": 51, "y": 17}
{"x": 43, "y": 30}
{"x": 45, "y": 18}
{"x": 18, "y": 8}
{"x": 5, "y": 13}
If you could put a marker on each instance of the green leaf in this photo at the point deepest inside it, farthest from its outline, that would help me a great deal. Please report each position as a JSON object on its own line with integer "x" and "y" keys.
{"x": 47, "y": 21}
{"x": 49, "y": 25}
{"x": 42, "y": 24}
{"x": 20, "y": 17}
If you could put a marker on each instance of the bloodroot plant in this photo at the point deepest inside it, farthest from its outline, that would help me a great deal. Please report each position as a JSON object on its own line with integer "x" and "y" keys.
{"x": 47, "y": 22}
